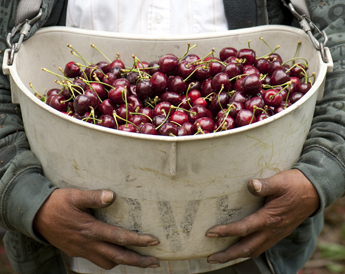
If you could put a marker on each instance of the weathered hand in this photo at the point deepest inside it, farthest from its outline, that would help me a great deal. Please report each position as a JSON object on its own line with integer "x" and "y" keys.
{"x": 65, "y": 221}
{"x": 290, "y": 199}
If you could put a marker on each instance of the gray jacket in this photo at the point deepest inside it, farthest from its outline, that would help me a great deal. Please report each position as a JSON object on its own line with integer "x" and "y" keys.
{"x": 23, "y": 188}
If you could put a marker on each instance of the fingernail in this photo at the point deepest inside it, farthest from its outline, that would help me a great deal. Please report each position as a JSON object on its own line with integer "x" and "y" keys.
{"x": 212, "y": 235}
{"x": 154, "y": 242}
{"x": 154, "y": 266}
{"x": 213, "y": 262}
{"x": 107, "y": 196}
{"x": 257, "y": 185}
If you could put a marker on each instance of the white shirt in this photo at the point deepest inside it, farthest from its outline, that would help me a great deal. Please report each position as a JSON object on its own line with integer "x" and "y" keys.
{"x": 149, "y": 17}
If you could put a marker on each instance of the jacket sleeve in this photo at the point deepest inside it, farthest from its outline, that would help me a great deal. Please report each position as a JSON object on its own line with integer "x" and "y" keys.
{"x": 323, "y": 157}
{"x": 23, "y": 188}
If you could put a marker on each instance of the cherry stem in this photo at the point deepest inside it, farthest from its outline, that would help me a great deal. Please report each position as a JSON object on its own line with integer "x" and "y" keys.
{"x": 187, "y": 95}
{"x": 115, "y": 118}
{"x": 199, "y": 130}
{"x": 254, "y": 108}
{"x": 166, "y": 117}
{"x": 221, "y": 89}
{"x": 94, "y": 46}
{"x": 297, "y": 47}
{"x": 188, "y": 49}
{"x": 223, "y": 123}
{"x": 175, "y": 123}
{"x": 77, "y": 54}
{"x": 295, "y": 58}
{"x": 91, "y": 115}
{"x": 268, "y": 54}
{"x": 263, "y": 40}
{"x": 38, "y": 95}
{"x": 139, "y": 113}
{"x": 57, "y": 75}
{"x": 92, "y": 88}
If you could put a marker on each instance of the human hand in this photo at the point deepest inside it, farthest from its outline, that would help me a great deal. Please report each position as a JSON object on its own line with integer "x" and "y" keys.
{"x": 290, "y": 199}
{"x": 65, "y": 221}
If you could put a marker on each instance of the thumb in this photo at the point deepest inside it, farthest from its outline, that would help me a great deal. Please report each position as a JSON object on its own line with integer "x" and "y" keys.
{"x": 93, "y": 198}
{"x": 263, "y": 187}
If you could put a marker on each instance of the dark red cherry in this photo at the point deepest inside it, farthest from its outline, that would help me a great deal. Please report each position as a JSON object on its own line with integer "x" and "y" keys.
{"x": 104, "y": 66}
{"x": 128, "y": 128}
{"x": 158, "y": 120}
{"x": 238, "y": 96}
{"x": 171, "y": 97}
{"x": 226, "y": 52}
{"x": 106, "y": 107}
{"x": 168, "y": 63}
{"x": 117, "y": 71}
{"x": 148, "y": 128}
{"x": 191, "y": 58}
{"x": 81, "y": 104}
{"x": 168, "y": 129}
{"x": 221, "y": 82}
{"x": 279, "y": 77}
{"x": 176, "y": 84}
{"x": 184, "y": 69}
{"x": 202, "y": 72}
{"x": 215, "y": 68}
{"x": 179, "y": 117}
{"x": 196, "y": 112}
{"x": 247, "y": 55}
{"x": 225, "y": 123}
{"x": 109, "y": 78}
{"x": 235, "y": 107}
{"x": 132, "y": 77}
{"x": 94, "y": 100}
{"x": 94, "y": 73}
{"x": 206, "y": 87}
{"x": 134, "y": 102}
{"x": 117, "y": 63}
{"x": 272, "y": 97}
{"x": 203, "y": 123}
{"x": 251, "y": 84}
{"x": 72, "y": 70}
{"x": 118, "y": 95}
{"x": 219, "y": 101}
{"x": 275, "y": 56}
{"x": 144, "y": 89}
{"x": 253, "y": 103}
{"x": 159, "y": 82}
{"x": 162, "y": 108}
{"x": 232, "y": 70}
{"x": 263, "y": 65}
{"x": 58, "y": 102}
{"x": 295, "y": 96}
{"x": 99, "y": 89}
{"x": 106, "y": 121}
{"x": 153, "y": 67}
{"x": 245, "y": 117}
{"x": 303, "y": 87}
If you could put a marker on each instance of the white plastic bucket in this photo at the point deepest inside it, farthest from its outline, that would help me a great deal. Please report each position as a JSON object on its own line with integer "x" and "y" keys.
{"x": 174, "y": 188}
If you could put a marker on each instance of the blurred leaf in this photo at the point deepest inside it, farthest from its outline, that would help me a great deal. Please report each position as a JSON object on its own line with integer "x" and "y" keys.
{"x": 332, "y": 251}
{"x": 343, "y": 230}
{"x": 335, "y": 268}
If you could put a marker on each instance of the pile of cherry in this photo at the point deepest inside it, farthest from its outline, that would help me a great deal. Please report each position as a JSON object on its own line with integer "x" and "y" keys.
{"x": 180, "y": 96}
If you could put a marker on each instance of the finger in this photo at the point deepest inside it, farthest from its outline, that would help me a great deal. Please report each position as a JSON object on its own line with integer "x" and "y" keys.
{"x": 101, "y": 261}
{"x": 250, "y": 246}
{"x": 122, "y": 256}
{"x": 244, "y": 227}
{"x": 92, "y": 198}
{"x": 265, "y": 187}
{"x": 119, "y": 236}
